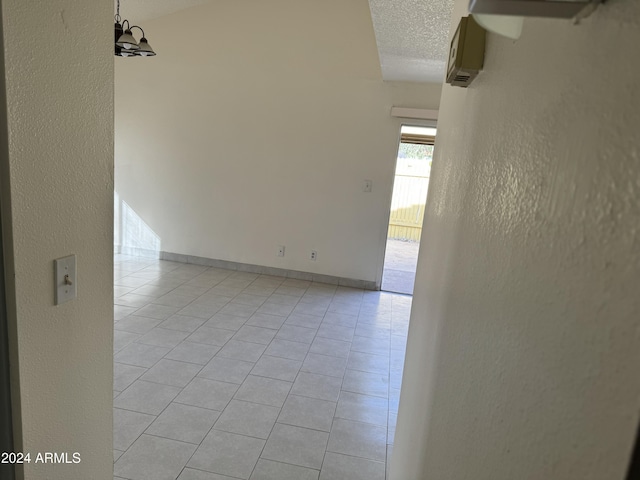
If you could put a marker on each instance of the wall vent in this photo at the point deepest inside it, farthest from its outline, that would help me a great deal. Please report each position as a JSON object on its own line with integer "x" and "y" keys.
{"x": 466, "y": 55}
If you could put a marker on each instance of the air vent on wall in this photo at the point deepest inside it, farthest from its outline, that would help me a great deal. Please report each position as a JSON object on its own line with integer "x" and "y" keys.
{"x": 466, "y": 55}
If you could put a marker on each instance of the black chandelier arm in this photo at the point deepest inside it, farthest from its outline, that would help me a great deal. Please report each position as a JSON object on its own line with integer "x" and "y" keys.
{"x": 130, "y": 46}
{"x": 140, "y": 28}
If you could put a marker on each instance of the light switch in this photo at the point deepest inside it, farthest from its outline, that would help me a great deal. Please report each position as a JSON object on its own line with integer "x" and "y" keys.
{"x": 368, "y": 186}
{"x": 66, "y": 279}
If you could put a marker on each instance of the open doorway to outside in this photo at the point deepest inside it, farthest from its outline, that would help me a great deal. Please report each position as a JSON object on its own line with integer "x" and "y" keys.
{"x": 408, "y": 200}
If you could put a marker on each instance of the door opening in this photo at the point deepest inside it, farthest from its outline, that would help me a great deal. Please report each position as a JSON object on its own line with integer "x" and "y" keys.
{"x": 413, "y": 167}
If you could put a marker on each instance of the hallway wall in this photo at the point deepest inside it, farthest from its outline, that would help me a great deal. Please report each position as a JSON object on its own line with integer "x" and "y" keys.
{"x": 257, "y": 129}
{"x": 59, "y": 78}
{"x": 523, "y": 351}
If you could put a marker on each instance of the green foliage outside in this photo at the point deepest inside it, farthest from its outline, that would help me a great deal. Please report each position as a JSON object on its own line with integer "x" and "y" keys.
{"x": 419, "y": 152}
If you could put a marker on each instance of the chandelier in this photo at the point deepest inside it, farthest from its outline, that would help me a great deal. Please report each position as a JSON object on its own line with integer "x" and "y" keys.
{"x": 125, "y": 43}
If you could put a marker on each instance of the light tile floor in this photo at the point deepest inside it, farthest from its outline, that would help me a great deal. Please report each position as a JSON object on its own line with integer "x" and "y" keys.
{"x": 400, "y": 264}
{"x": 223, "y": 375}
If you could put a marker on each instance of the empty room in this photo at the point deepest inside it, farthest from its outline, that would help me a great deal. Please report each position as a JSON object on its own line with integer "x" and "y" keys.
{"x": 253, "y": 178}
{"x": 196, "y": 232}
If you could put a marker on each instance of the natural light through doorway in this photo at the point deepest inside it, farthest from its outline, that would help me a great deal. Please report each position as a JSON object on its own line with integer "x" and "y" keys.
{"x": 408, "y": 201}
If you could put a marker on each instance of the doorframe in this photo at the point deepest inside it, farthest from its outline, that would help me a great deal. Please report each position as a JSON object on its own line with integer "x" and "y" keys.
{"x": 7, "y": 470}
{"x": 7, "y": 424}
{"x": 634, "y": 462}
{"x": 10, "y": 425}
{"x": 402, "y": 122}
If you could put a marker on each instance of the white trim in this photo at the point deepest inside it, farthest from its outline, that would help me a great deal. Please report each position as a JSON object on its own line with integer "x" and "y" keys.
{"x": 263, "y": 270}
{"x": 417, "y": 113}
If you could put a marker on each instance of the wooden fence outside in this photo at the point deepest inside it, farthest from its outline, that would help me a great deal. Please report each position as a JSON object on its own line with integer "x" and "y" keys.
{"x": 407, "y": 206}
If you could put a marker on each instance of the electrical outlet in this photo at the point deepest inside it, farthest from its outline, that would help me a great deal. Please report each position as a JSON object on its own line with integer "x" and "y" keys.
{"x": 313, "y": 256}
{"x": 280, "y": 252}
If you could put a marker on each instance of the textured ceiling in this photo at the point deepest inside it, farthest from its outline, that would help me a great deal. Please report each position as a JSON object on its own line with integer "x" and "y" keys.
{"x": 411, "y": 34}
{"x": 412, "y": 38}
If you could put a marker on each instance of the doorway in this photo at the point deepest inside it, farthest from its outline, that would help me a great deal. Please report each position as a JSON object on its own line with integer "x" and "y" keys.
{"x": 410, "y": 185}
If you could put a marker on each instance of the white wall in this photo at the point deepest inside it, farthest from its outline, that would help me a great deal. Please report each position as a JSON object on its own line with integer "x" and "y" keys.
{"x": 523, "y": 352}
{"x": 59, "y": 76}
{"x": 255, "y": 126}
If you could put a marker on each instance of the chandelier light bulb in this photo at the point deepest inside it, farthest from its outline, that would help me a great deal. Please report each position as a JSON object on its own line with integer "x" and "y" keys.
{"x": 145, "y": 49}
{"x": 125, "y": 43}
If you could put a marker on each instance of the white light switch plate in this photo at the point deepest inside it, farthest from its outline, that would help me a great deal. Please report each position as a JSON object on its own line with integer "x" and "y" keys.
{"x": 65, "y": 289}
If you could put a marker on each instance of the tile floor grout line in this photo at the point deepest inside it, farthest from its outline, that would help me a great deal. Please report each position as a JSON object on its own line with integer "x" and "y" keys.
{"x": 279, "y": 413}
{"x": 207, "y": 434}
{"x": 324, "y": 457}
{"x": 338, "y": 300}
{"x": 221, "y": 413}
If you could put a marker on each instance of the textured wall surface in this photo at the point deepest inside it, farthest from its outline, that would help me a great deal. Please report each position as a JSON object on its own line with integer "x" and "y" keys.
{"x": 524, "y": 343}
{"x": 262, "y": 133}
{"x": 59, "y": 75}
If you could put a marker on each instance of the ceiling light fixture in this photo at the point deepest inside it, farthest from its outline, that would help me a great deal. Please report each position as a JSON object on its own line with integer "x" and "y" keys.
{"x": 125, "y": 43}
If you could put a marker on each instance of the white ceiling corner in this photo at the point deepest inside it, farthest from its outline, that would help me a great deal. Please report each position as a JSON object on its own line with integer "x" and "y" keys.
{"x": 411, "y": 35}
